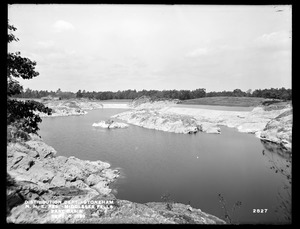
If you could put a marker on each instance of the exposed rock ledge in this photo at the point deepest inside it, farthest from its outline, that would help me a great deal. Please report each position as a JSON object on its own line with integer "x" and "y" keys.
{"x": 110, "y": 124}
{"x": 153, "y": 119}
{"x": 265, "y": 122}
{"x": 35, "y": 173}
{"x": 279, "y": 130}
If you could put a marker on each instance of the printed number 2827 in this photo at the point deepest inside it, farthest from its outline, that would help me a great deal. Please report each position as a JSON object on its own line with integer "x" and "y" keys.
{"x": 259, "y": 210}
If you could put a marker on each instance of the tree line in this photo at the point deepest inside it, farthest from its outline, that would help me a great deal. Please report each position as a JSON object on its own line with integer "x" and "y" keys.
{"x": 272, "y": 93}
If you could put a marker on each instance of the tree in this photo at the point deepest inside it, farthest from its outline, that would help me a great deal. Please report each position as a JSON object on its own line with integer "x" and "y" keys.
{"x": 199, "y": 93}
{"x": 78, "y": 94}
{"x": 22, "y": 118}
{"x": 238, "y": 93}
{"x": 248, "y": 92}
{"x": 58, "y": 92}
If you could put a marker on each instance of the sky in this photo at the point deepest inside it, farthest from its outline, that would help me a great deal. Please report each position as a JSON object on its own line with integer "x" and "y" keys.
{"x": 111, "y": 47}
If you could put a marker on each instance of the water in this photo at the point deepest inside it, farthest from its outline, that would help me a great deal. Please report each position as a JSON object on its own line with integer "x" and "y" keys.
{"x": 192, "y": 168}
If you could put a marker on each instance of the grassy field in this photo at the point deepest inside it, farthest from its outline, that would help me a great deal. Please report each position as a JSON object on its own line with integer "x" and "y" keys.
{"x": 226, "y": 101}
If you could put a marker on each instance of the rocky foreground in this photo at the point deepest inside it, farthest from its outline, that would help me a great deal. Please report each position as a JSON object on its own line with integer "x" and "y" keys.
{"x": 272, "y": 123}
{"x": 43, "y": 188}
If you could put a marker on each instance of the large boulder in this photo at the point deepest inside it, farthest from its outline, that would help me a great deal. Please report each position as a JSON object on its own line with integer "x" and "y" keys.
{"x": 38, "y": 173}
{"x": 102, "y": 188}
{"x": 279, "y": 130}
{"x": 58, "y": 180}
{"x": 41, "y": 148}
{"x": 94, "y": 179}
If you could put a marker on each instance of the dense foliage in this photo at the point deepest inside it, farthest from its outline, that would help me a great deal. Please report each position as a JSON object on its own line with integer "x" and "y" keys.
{"x": 21, "y": 115}
{"x": 280, "y": 93}
{"x": 273, "y": 93}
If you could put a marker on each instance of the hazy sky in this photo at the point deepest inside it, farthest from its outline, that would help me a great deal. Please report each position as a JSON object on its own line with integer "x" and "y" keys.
{"x": 120, "y": 47}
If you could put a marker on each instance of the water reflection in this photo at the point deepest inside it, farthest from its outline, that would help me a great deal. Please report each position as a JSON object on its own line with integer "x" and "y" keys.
{"x": 280, "y": 161}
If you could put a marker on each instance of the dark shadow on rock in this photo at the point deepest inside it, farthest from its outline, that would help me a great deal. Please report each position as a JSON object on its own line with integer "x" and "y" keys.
{"x": 276, "y": 148}
{"x": 68, "y": 191}
{"x": 13, "y": 198}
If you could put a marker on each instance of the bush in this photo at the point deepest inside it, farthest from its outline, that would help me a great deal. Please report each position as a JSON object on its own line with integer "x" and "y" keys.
{"x": 15, "y": 134}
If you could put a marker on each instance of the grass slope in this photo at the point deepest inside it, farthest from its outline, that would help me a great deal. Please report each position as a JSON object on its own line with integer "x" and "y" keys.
{"x": 226, "y": 101}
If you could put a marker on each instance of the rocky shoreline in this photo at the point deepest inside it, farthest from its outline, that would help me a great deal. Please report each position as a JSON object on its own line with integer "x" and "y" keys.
{"x": 76, "y": 107}
{"x": 265, "y": 121}
{"x": 272, "y": 123}
{"x": 36, "y": 177}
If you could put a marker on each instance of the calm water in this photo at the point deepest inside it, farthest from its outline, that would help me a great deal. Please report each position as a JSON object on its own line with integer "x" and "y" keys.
{"x": 192, "y": 168}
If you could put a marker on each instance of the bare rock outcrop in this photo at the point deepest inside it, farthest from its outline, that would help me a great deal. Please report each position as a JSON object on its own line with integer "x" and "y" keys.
{"x": 110, "y": 124}
{"x": 34, "y": 163}
{"x": 272, "y": 122}
{"x": 152, "y": 119}
{"x": 279, "y": 130}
